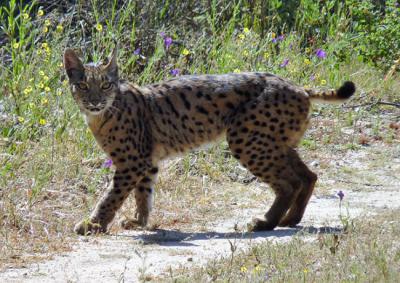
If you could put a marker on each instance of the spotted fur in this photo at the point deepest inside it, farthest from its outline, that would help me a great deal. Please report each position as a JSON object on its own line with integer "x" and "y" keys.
{"x": 262, "y": 116}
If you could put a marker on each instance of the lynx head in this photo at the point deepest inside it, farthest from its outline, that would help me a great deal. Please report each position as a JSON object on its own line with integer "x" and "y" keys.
{"x": 94, "y": 86}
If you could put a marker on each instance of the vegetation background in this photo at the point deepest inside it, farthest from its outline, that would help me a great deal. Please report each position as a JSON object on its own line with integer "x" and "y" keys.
{"x": 51, "y": 170}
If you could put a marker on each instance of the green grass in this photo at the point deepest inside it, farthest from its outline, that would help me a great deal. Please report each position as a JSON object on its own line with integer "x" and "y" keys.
{"x": 50, "y": 165}
{"x": 360, "y": 253}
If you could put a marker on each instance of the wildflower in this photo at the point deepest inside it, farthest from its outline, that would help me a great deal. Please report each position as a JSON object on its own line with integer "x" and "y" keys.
{"x": 246, "y": 30}
{"x": 312, "y": 77}
{"x": 273, "y": 35}
{"x": 284, "y": 63}
{"x": 167, "y": 41}
{"x": 65, "y": 82}
{"x": 59, "y": 28}
{"x": 323, "y": 82}
{"x": 25, "y": 16}
{"x": 257, "y": 269}
{"x": 185, "y": 52}
{"x": 16, "y": 45}
{"x": 28, "y": 90}
{"x": 162, "y": 34}
{"x": 307, "y": 50}
{"x": 41, "y": 73}
{"x": 266, "y": 55}
{"x": 236, "y": 71}
{"x": 21, "y": 119}
{"x": 44, "y": 101}
{"x": 245, "y": 53}
{"x": 281, "y": 37}
{"x": 47, "y": 89}
{"x": 40, "y": 13}
{"x": 320, "y": 53}
{"x": 274, "y": 40}
{"x": 42, "y": 122}
{"x": 175, "y": 72}
{"x": 340, "y": 194}
{"x": 137, "y": 51}
{"x": 108, "y": 163}
{"x": 241, "y": 36}
{"x": 47, "y": 23}
{"x": 99, "y": 27}
{"x": 45, "y": 78}
{"x": 243, "y": 269}
{"x": 60, "y": 64}
{"x": 307, "y": 61}
{"x": 40, "y": 85}
{"x": 45, "y": 29}
{"x": 305, "y": 270}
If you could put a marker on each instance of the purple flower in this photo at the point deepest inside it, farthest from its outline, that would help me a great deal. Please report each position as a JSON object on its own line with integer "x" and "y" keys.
{"x": 320, "y": 53}
{"x": 108, "y": 163}
{"x": 175, "y": 72}
{"x": 281, "y": 37}
{"x": 162, "y": 34}
{"x": 284, "y": 63}
{"x": 274, "y": 40}
{"x": 312, "y": 77}
{"x": 137, "y": 51}
{"x": 340, "y": 194}
{"x": 167, "y": 41}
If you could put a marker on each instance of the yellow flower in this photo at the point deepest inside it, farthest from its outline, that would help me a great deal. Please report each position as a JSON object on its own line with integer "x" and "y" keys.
{"x": 45, "y": 29}
{"x": 246, "y": 30}
{"x": 307, "y": 50}
{"x": 28, "y": 90}
{"x": 60, "y": 64}
{"x": 16, "y": 45}
{"x": 242, "y": 36}
{"x": 44, "y": 101}
{"x": 257, "y": 269}
{"x": 45, "y": 78}
{"x": 47, "y": 89}
{"x": 40, "y": 85}
{"x": 99, "y": 27}
{"x": 307, "y": 61}
{"x": 243, "y": 269}
{"x": 40, "y": 13}
{"x": 185, "y": 52}
{"x": 266, "y": 55}
{"x": 42, "y": 122}
{"x": 21, "y": 119}
{"x": 245, "y": 53}
{"x": 25, "y": 16}
{"x": 45, "y": 45}
{"x": 47, "y": 23}
{"x": 273, "y": 35}
{"x": 65, "y": 82}
{"x": 59, "y": 28}
{"x": 305, "y": 271}
{"x": 41, "y": 73}
{"x": 236, "y": 71}
{"x": 323, "y": 82}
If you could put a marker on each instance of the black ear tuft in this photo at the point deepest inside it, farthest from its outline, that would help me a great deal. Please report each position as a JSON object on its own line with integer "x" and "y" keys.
{"x": 346, "y": 90}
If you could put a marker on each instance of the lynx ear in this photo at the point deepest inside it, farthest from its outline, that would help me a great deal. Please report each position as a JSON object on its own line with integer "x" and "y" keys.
{"x": 73, "y": 66}
{"x": 112, "y": 66}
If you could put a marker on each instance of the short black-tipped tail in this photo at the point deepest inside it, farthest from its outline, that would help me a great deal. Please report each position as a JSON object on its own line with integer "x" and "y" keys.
{"x": 331, "y": 96}
{"x": 346, "y": 90}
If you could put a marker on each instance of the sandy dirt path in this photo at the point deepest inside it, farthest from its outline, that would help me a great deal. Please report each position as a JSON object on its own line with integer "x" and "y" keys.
{"x": 132, "y": 255}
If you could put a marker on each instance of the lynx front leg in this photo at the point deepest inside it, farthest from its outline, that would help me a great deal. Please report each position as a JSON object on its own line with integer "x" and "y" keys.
{"x": 123, "y": 183}
{"x": 144, "y": 191}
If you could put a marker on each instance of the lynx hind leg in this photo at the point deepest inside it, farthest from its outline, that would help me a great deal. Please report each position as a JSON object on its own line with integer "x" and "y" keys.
{"x": 144, "y": 192}
{"x": 308, "y": 179}
{"x": 269, "y": 161}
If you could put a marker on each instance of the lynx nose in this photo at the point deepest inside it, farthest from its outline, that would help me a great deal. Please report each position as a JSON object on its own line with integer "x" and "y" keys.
{"x": 95, "y": 105}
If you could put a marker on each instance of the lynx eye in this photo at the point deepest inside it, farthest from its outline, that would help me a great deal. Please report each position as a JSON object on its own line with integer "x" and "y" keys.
{"x": 106, "y": 85}
{"x": 83, "y": 86}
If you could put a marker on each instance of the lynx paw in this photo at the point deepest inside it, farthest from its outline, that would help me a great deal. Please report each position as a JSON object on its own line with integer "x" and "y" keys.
{"x": 260, "y": 225}
{"x": 88, "y": 228}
